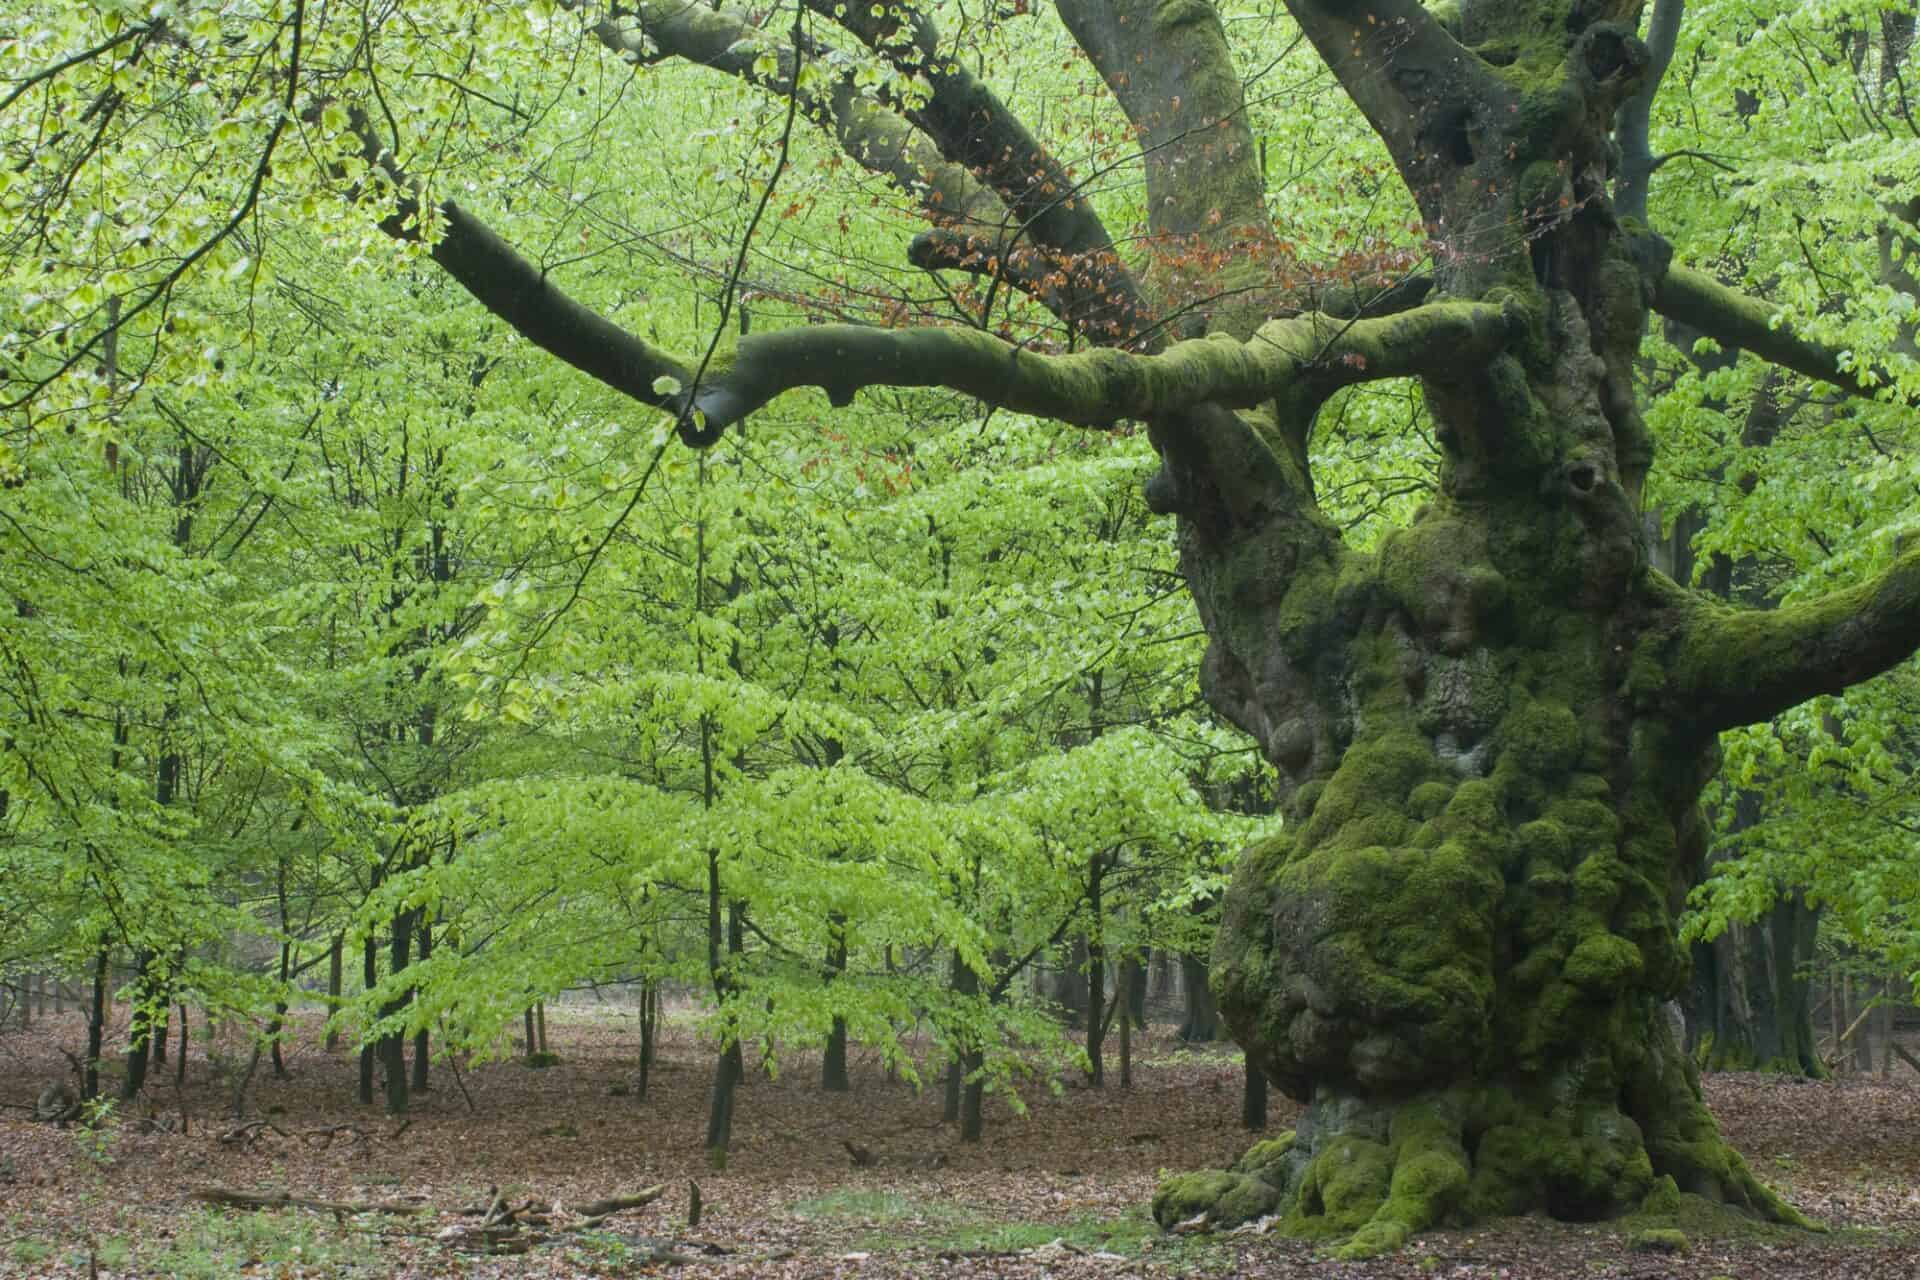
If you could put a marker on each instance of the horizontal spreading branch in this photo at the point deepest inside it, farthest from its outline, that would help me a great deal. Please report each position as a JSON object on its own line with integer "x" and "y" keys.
{"x": 1304, "y": 356}
{"x": 520, "y": 293}
{"x": 1735, "y": 319}
{"x": 1745, "y": 666}
{"x": 974, "y": 129}
{"x": 963, "y": 157}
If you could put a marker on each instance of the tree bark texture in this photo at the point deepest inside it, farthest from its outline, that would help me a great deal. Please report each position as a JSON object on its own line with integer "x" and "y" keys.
{"x": 96, "y": 1027}
{"x": 370, "y": 975}
{"x": 393, "y": 1045}
{"x": 1253, "y": 1099}
{"x": 1201, "y": 1022}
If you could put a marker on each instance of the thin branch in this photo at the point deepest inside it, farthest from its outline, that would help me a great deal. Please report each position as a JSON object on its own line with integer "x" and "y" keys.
{"x": 132, "y": 32}
{"x": 186, "y": 264}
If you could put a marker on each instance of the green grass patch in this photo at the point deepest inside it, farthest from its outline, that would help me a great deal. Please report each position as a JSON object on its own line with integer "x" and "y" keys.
{"x": 873, "y": 1208}
{"x": 215, "y": 1245}
{"x": 30, "y": 1252}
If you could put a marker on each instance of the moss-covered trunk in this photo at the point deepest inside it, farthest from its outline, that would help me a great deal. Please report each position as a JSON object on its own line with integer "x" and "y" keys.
{"x": 1459, "y": 952}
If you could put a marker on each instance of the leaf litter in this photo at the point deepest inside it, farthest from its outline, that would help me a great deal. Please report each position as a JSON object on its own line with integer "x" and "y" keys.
{"x": 563, "y": 1172}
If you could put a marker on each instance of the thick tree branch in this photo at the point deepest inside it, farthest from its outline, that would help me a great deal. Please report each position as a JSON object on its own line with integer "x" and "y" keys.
{"x": 876, "y": 138}
{"x": 520, "y": 293}
{"x": 1743, "y": 666}
{"x": 1634, "y": 128}
{"x": 970, "y": 130}
{"x": 1309, "y": 356}
{"x": 1168, "y": 64}
{"x": 1734, "y": 319}
{"x": 972, "y": 127}
{"x": 1408, "y": 75}
{"x": 1305, "y": 356}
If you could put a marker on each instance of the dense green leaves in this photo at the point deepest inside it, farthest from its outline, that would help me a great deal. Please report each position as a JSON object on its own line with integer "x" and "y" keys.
{"x": 331, "y": 601}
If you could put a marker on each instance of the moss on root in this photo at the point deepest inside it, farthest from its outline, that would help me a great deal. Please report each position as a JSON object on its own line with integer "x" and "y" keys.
{"x": 1221, "y": 1197}
{"x": 1368, "y": 1197}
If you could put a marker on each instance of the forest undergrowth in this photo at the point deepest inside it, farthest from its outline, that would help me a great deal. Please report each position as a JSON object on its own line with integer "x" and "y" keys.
{"x": 1061, "y": 1191}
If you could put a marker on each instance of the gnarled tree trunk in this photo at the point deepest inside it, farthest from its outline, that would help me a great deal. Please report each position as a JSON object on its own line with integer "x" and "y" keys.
{"x": 1494, "y": 729}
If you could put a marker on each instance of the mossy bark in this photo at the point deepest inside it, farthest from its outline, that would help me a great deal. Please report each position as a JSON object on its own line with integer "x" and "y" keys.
{"x": 1459, "y": 952}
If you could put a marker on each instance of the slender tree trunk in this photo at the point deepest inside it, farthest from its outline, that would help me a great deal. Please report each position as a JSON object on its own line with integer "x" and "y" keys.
{"x": 1202, "y": 1022}
{"x": 967, "y": 1087}
{"x": 370, "y": 976}
{"x": 1884, "y": 1028}
{"x": 1070, "y": 985}
{"x": 1096, "y": 974}
{"x": 649, "y": 996}
{"x": 1126, "y": 1026}
{"x": 422, "y": 949}
{"x": 1837, "y": 1015}
{"x": 25, "y": 992}
{"x": 139, "y": 1035}
{"x": 973, "y": 1115}
{"x": 533, "y": 1043}
{"x": 279, "y": 1022}
{"x": 1133, "y": 976}
{"x": 728, "y": 1070}
{"x": 833, "y": 1063}
{"x": 540, "y": 1023}
{"x": 277, "y": 1026}
{"x": 336, "y": 956}
{"x": 393, "y": 1045}
{"x": 1253, "y": 1099}
{"x": 180, "y": 1058}
{"x": 96, "y": 1027}
{"x": 958, "y": 975}
{"x": 1861, "y": 1023}
{"x": 1751, "y": 996}
{"x": 160, "y": 1025}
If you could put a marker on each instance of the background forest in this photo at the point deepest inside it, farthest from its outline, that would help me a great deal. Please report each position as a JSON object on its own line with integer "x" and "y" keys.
{"x": 359, "y": 661}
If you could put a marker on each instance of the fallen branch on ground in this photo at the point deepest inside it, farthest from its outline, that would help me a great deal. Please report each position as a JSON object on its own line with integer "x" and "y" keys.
{"x": 283, "y": 1200}
{"x": 503, "y": 1228}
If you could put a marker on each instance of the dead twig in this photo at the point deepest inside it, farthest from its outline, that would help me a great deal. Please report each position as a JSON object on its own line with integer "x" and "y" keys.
{"x": 595, "y": 1212}
{"x": 246, "y": 1135}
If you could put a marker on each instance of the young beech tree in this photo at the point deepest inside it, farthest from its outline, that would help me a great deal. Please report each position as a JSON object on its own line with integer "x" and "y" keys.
{"x": 1491, "y": 726}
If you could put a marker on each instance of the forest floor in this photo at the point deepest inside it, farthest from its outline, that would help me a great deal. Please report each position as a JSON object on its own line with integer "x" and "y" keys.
{"x": 1061, "y": 1191}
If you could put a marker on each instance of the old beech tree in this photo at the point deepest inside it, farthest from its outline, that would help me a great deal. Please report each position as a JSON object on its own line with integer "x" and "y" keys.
{"x": 1492, "y": 730}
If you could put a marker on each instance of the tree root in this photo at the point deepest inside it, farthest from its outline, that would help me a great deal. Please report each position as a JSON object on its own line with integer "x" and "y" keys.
{"x": 1375, "y": 1175}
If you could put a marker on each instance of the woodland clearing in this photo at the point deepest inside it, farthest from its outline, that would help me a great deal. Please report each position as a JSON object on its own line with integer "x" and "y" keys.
{"x": 1061, "y": 1191}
